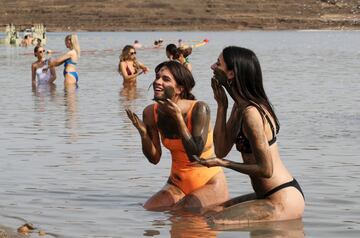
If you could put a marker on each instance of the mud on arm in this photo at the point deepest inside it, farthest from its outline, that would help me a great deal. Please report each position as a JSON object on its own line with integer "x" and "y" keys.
{"x": 195, "y": 141}
{"x": 254, "y": 131}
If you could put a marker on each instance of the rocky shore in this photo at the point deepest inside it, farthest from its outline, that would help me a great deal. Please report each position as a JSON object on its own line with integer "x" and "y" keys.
{"x": 8, "y": 233}
{"x": 184, "y": 15}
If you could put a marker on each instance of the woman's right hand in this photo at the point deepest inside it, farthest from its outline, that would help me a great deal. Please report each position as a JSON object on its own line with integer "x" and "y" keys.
{"x": 145, "y": 70}
{"x": 212, "y": 162}
{"x": 219, "y": 92}
{"x": 139, "y": 124}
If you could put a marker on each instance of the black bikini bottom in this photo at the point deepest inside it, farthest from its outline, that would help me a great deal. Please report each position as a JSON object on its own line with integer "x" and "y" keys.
{"x": 292, "y": 183}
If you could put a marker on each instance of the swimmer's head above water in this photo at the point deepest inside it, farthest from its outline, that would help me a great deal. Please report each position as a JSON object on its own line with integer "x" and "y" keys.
{"x": 173, "y": 81}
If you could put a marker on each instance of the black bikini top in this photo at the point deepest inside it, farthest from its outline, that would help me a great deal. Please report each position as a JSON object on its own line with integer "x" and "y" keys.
{"x": 243, "y": 144}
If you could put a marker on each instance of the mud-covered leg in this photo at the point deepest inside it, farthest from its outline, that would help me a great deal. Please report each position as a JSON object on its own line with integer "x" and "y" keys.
{"x": 211, "y": 210}
{"x": 246, "y": 212}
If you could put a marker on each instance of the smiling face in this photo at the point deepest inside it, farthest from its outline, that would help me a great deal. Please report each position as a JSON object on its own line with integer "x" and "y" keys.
{"x": 165, "y": 85}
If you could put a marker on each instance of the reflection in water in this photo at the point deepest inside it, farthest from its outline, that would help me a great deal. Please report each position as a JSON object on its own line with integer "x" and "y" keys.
{"x": 128, "y": 92}
{"x": 187, "y": 225}
{"x": 70, "y": 101}
{"x": 278, "y": 229}
{"x": 190, "y": 226}
{"x": 41, "y": 92}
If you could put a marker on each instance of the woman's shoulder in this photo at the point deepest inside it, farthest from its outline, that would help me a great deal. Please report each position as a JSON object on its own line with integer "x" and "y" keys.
{"x": 252, "y": 117}
{"x": 149, "y": 107}
{"x": 200, "y": 107}
{"x": 251, "y": 112}
{"x": 199, "y": 103}
{"x": 148, "y": 113}
{"x": 35, "y": 64}
{"x": 73, "y": 53}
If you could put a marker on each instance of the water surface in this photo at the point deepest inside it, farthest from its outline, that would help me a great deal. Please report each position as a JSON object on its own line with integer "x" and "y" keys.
{"x": 71, "y": 163}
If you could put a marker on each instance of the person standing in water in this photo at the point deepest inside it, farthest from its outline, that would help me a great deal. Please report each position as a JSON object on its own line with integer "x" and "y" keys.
{"x": 184, "y": 57}
{"x": 179, "y": 54}
{"x": 70, "y": 60}
{"x": 137, "y": 44}
{"x": 172, "y": 52}
{"x": 129, "y": 67}
{"x": 40, "y": 72}
{"x": 182, "y": 124}
{"x": 252, "y": 126}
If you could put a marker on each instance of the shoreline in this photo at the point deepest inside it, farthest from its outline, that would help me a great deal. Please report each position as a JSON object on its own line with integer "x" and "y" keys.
{"x": 217, "y": 30}
{"x": 187, "y": 15}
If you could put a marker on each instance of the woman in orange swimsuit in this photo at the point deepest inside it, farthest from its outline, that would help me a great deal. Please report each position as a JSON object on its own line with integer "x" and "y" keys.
{"x": 252, "y": 126}
{"x": 183, "y": 126}
{"x": 129, "y": 67}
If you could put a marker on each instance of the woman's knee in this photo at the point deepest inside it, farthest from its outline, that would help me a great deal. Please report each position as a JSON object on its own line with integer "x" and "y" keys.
{"x": 190, "y": 203}
{"x": 161, "y": 201}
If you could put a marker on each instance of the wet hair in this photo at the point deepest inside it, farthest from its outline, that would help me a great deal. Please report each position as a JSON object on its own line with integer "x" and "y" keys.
{"x": 125, "y": 55}
{"x": 173, "y": 51}
{"x": 74, "y": 43}
{"x": 36, "y": 49}
{"x": 182, "y": 76}
{"x": 248, "y": 80}
{"x": 185, "y": 51}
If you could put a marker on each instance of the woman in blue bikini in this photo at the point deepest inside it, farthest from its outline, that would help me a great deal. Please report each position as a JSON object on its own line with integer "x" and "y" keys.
{"x": 252, "y": 127}
{"x": 69, "y": 60}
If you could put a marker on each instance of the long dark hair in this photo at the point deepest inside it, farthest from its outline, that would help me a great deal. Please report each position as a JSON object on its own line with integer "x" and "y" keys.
{"x": 182, "y": 75}
{"x": 173, "y": 51}
{"x": 248, "y": 82}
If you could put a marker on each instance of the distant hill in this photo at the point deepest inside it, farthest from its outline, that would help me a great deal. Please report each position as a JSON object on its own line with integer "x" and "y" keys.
{"x": 176, "y": 15}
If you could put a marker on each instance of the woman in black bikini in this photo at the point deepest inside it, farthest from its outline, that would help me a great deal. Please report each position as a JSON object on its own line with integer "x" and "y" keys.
{"x": 129, "y": 67}
{"x": 252, "y": 127}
